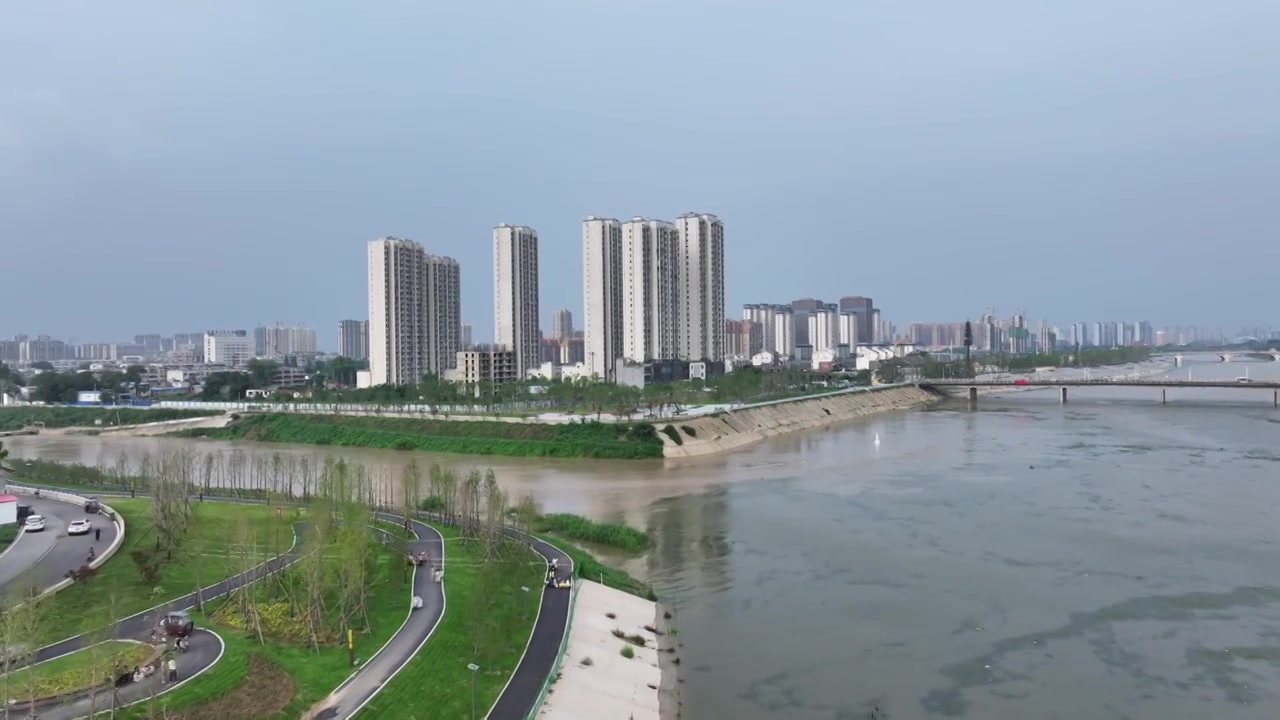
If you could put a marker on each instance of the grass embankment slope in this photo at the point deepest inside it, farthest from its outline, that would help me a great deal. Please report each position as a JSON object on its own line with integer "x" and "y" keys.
{"x": 620, "y": 441}
{"x": 488, "y": 620}
{"x": 17, "y": 418}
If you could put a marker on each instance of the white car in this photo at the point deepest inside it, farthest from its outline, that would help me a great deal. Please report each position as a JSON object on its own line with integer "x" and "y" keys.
{"x": 35, "y": 523}
{"x": 79, "y": 527}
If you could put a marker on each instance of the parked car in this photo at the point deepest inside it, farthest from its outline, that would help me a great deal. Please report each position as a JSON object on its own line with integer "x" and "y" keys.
{"x": 79, "y": 527}
{"x": 92, "y": 506}
{"x": 34, "y": 523}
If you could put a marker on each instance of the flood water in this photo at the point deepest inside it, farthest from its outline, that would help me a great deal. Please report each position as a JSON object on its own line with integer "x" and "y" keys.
{"x": 1108, "y": 558}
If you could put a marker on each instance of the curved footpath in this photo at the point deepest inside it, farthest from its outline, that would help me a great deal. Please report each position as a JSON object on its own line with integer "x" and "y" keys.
{"x": 205, "y": 650}
{"x": 361, "y": 687}
{"x": 543, "y": 650}
{"x": 42, "y": 559}
{"x": 518, "y": 697}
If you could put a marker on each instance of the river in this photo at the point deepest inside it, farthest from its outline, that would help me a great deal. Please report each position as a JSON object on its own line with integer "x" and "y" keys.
{"x": 1108, "y": 558}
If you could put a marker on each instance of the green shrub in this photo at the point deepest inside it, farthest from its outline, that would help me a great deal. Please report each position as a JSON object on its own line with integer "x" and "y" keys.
{"x": 627, "y": 652}
{"x": 432, "y": 503}
{"x": 689, "y": 431}
{"x": 671, "y": 432}
{"x": 576, "y": 527}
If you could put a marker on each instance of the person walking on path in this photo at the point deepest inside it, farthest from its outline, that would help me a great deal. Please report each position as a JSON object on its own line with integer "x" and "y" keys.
{"x": 97, "y": 534}
{"x": 173, "y": 670}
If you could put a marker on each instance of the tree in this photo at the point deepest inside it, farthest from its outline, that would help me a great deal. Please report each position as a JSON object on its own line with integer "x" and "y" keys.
{"x": 4, "y": 454}
{"x": 262, "y": 372}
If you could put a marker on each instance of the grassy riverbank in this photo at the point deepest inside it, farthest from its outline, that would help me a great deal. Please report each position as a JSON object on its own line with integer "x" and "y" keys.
{"x": 16, "y": 418}
{"x": 620, "y": 441}
{"x": 488, "y": 620}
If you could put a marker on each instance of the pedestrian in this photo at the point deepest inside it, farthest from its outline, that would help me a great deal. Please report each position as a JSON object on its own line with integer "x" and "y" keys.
{"x": 173, "y": 670}
{"x": 97, "y": 534}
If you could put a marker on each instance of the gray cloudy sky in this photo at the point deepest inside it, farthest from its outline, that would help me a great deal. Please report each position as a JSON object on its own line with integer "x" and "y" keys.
{"x": 169, "y": 166}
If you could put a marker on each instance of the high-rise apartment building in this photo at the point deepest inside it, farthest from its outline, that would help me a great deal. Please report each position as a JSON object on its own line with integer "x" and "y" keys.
{"x": 353, "y": 339}
{"x": 864, "y": 308}
{"x": 602, "y": 295}
{"x": 824, "y": 330}
{"x": 743, "y": 338}
{"x": 562, "y": 324}
{"x": 466, "y": 336}
{"x": 414, "y": 312}
{"x": 515, "y": 294}
{"x": 650, "y": 297}
{"x": 700, "y": 245}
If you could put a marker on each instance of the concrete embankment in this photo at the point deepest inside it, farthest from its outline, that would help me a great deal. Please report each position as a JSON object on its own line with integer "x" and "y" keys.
{"x": 617, "y": 663}
{"x": 732, "y": 429}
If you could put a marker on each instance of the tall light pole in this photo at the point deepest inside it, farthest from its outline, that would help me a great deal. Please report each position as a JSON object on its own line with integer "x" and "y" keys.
{"x": 473, "y": 668}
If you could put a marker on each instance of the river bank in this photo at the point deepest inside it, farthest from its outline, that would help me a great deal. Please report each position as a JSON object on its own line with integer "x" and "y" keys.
{"x": 732, "y": 429}
{"x": 619, "y": 661}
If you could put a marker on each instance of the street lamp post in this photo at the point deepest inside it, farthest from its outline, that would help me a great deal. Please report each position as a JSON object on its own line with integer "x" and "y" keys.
{"x": 473, "y": 668}
{"x": 525, "y": 588}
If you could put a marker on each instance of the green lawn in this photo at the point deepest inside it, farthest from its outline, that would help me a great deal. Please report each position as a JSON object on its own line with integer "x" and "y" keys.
{"x": 313, "y": 673}
{"x": 222, "y": 539}
{"x": 484, "y": 605}
{"x": 7, "y": 535}
{"x": 76, "y": 671}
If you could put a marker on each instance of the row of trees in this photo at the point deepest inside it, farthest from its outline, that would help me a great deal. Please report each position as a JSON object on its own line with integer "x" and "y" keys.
{"x": 593, "y": 397}
{"x": 61, "y": 387}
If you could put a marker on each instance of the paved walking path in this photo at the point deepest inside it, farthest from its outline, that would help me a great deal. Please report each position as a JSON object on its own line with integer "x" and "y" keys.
{"x": 205, "y": 649}
{"x": 361, "y": 688}
{"x": 543, "y": 650}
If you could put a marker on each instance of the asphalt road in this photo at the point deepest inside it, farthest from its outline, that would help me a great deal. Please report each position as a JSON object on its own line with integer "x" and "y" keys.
{"x": 361, "y": 688}
{"x": 204, "y": 650}
{"x": 540, "y": 655}
{"x": 42, "y": 559}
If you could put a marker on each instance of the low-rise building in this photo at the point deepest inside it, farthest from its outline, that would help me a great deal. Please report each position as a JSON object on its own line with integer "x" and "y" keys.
{"x": 494, "y": 366}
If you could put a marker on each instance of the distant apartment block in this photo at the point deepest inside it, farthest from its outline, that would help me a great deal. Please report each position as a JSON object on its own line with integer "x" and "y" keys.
{"x": 743, "y": 338}
{"x": 515, "y": 294}
{"x": 233, "y": 348}
{"x": 864, "y": 309}
{"x": 280, "y": 340}
{"x": 602, "y": 295}
{"x": 353, "y": 339}
{"x": 414, "y": 312}
{"x": 650, "y": 290}
{"x": 562, "y": 324}
{"x": 700, "y": 241}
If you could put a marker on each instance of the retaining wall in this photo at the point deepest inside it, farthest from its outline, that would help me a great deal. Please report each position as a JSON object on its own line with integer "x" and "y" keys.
{"x": 735, "y": 428}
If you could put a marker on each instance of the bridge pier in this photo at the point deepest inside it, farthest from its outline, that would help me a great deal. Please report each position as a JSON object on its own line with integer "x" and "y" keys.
{"x": 1064, "y": 394}
{"x": 1275, "y": 399}
{"x": 973, "y": 396}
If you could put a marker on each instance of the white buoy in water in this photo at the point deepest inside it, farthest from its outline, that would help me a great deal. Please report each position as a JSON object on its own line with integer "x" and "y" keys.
{"x": 877, "y": 438}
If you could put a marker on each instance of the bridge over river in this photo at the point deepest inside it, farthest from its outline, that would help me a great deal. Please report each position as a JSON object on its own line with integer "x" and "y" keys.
{"x": 941, "y": 384}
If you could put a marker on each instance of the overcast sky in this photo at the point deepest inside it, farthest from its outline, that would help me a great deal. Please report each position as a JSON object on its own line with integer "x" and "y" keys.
{"x": 175, "y": 166}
